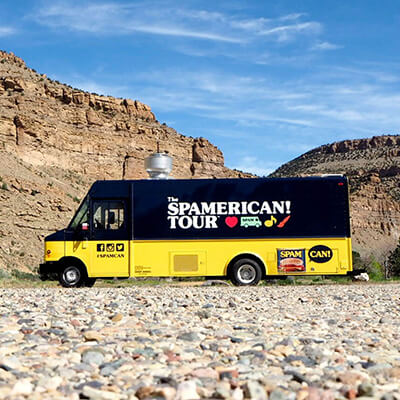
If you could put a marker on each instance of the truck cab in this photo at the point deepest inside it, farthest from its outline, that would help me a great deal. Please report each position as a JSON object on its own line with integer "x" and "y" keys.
{"x": 98, "y": 232}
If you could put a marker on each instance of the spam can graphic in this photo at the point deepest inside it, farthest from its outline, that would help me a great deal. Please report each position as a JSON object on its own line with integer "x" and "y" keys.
{"x": 291, "y": 260}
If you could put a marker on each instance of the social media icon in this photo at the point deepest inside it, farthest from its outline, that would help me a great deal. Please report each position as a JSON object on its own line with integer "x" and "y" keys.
{"x": 100, "y": 247}
{"x": 110, "y": 247}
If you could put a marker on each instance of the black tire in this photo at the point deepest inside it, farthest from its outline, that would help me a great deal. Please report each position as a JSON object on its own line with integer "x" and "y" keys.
{"x": 245, "y": 272}
{"x": 71, "y": 275}
{"x": 89, "y": 282}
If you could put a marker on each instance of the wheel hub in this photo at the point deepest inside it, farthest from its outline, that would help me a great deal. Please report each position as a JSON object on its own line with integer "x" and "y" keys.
{"x": 246, "y": 273}
{"x": 71, "y": 276}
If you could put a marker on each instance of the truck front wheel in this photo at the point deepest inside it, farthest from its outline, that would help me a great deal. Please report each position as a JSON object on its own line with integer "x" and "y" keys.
{"x": 71, "y": 276}
{"x": 245, "y": 272}
{"x": 89, "y": 282}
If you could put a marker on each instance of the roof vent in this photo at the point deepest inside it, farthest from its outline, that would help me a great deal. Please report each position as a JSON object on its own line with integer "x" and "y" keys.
{"x": 158, "y": 165}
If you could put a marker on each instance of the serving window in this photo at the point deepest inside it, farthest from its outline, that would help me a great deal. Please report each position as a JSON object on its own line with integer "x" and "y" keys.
{"x": 108, "y": 215}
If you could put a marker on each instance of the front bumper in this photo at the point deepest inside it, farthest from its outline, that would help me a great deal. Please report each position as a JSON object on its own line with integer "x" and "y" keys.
{"x": 48, "y": 271}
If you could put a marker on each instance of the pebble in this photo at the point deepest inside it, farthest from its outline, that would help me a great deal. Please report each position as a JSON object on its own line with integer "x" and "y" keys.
{"x": 22, "y": 387}
{"x": 190, "y": 342}
{"x": 255, "y": 391}
{"x": 96, "y": 394}
{"x": 92, "y": 335}
{"x": 187, "y": 391}
{"x": 117, "y": 317}
{"x": 189, "y": 336}
{"x": 365, "y": 389}
{"x": 222, "y": 390}
{"x": 93, "y": 356}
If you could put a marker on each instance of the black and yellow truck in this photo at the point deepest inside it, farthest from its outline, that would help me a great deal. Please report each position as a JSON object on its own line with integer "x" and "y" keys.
{"x": 241, "y": 229}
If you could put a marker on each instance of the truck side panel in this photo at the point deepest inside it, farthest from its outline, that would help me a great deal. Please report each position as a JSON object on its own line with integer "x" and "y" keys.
{"x": 211, "y": 257}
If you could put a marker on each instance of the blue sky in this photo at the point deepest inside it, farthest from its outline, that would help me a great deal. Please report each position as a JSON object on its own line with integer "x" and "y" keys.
{"x": 263, "y": 80}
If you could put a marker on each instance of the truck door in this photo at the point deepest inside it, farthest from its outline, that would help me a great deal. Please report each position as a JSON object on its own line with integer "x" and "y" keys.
{"x": 77, "y": 236}
{"x": 109, "y": 238}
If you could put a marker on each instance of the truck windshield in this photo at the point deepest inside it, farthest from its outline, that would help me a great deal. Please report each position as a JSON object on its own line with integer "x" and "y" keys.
{"x": 81, "y": 216}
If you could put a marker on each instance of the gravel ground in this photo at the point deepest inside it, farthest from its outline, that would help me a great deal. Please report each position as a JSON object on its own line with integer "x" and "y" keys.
{"x": 169, "y": 342}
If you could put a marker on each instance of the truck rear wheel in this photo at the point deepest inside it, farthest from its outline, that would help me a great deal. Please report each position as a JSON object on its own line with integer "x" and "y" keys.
{"x": 71, "y": 275}
{"x": 245, "y": 272}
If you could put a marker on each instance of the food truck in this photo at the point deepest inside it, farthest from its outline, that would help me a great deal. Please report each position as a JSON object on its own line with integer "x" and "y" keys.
{"x": 244, "y": 230}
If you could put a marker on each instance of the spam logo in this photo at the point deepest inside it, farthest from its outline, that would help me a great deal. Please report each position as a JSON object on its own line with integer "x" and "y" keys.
{"x": 291, "y": 253}
{"x": 320, "y": 254}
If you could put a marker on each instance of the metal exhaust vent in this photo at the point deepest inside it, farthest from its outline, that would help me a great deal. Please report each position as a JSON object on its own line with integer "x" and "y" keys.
{"x": 158, "y": 165}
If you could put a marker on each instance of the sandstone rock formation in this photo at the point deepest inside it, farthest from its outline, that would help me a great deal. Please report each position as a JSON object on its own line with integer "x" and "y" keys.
{"x": 373, "y": 168}
{"x": 56, "y": 140}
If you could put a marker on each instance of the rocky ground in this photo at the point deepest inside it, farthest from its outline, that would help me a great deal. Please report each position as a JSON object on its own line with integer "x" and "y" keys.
{"x": 168, "y": 342}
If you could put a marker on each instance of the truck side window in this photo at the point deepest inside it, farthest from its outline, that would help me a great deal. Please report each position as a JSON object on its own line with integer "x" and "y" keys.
{"x": 81, "y": 216}
{"x": 108, "y": 215}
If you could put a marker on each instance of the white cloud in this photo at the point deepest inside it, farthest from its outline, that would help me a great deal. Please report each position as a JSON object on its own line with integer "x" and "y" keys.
{"x": 367, "y": 73}
{"x": 291, "y": 17}
{"x": 202, "y": 15}
{"x": 255, "y": 166}
{"x": 183, "y": 32}
{"x": 326, "y": 46}
{"x": 318, "y": 104}
{"x": 6, "y": 31}
{"x": 252, "y": 25}
{"x": 165, "y": 18}
{"x": 256, "y": 117}
{"x": 122, "y": 19}
{"x": 287, "y": 32}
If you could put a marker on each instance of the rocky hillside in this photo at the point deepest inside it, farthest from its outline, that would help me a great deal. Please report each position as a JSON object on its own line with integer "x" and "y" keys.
{"x": 373, "y": 167}
{"x": 56, "y": 140}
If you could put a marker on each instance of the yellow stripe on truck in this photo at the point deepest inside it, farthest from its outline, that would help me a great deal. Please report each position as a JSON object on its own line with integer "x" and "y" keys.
{"x": 200, "y": 257}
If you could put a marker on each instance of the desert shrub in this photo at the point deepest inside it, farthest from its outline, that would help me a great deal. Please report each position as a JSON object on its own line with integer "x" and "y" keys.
{"x": 24, "y": 275}
{"x": 394, "y": 262}
{"x": 4, "y": 274}
{"x": 375, "y": 270}
{"x": 357, "y": 261}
